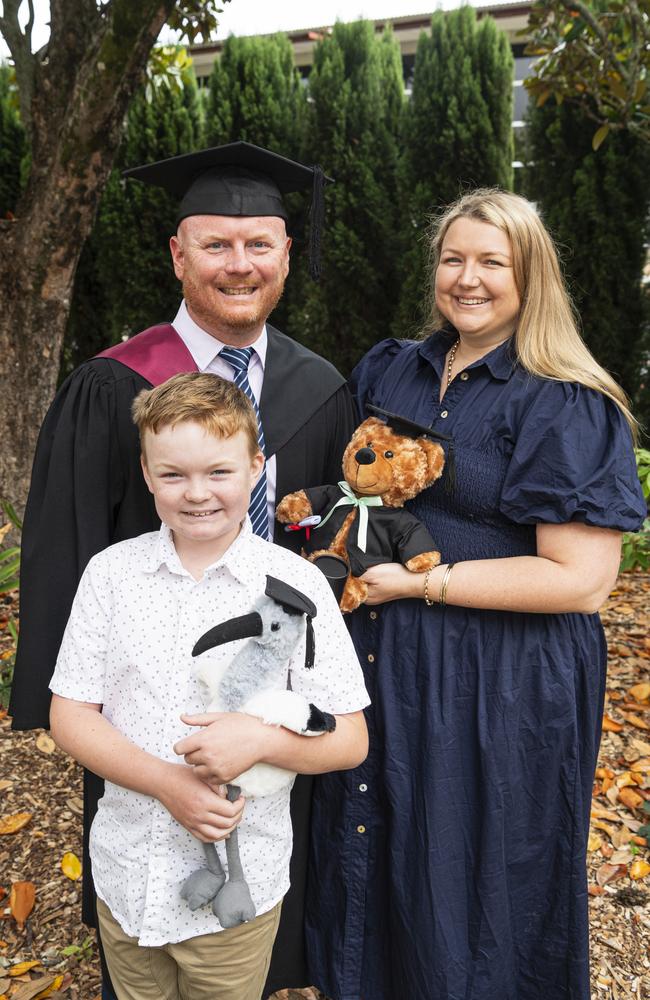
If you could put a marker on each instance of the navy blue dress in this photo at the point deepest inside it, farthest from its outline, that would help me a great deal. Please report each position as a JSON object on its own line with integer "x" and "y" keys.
{"x": 451, "y": 864}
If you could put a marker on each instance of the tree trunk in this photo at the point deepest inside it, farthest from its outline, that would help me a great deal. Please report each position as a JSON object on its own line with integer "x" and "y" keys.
{"x": 94, "y": 63}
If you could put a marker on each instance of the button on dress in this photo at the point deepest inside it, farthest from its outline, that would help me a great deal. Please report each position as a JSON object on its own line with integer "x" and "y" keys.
{"x": 451, "y": 864}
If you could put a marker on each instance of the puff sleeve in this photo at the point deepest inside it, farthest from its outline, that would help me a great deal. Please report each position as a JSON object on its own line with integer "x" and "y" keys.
{"x": 371, "y": 369}
{"x": 573, "y": 460}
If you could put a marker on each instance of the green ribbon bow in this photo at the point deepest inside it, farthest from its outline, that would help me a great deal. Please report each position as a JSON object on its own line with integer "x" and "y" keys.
{"x": 350, "y": 498}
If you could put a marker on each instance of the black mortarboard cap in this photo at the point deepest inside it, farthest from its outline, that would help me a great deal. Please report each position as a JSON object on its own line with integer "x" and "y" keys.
{"x": 238, "y": 179}
{"x": 402, "y": 425}
{"x": 294, "y": 602}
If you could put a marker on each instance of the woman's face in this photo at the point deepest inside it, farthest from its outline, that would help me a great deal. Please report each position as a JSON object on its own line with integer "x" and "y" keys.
{"x": 475, "y": 283}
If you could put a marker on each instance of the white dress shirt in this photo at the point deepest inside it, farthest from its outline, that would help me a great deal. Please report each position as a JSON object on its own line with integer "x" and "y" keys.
{"x": 127, "y": 646}
{"x": 205, "y": 349}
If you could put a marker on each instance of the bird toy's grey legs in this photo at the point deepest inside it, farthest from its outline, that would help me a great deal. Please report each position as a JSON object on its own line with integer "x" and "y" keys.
{"x": 203, "y": 885}
{"x": 212, "y": 861}
{"x": 233, "y": 905}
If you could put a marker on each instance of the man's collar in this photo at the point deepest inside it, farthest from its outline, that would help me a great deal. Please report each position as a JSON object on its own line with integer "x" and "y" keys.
{"x": 500, "y": 362}
{"x": 236, "y": 558}
{"x": 202, "y": 345}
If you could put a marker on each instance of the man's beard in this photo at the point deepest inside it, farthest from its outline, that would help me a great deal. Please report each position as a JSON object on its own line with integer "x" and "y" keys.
{"x": 203, "y": 309}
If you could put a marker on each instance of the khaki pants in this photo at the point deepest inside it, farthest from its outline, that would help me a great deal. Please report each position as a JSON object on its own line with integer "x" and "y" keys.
{"x": 229, "y": 965}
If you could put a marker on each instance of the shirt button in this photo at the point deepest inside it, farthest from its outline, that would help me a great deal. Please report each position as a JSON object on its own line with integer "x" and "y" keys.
{"x": 361, "y": 829}
{"x": 464, "y": 376}
{"x": 373, "y": 615}
{"x": 445, "y": 413}
{"x": 371, "y": 658}
{"x": 363, "y": 788}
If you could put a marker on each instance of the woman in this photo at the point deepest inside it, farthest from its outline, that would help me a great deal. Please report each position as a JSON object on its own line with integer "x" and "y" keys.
{"x": 451, "y": 865}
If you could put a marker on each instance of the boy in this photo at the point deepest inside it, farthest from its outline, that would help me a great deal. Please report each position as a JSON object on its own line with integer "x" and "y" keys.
{"x": 124, "y": 678}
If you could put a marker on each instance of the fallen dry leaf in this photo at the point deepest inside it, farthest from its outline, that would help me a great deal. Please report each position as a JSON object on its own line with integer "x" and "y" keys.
{"x": 5, "y": 784}
{"x": 628, "y": 778}
{"x": 610, "y": 873}
{"x": 596, "y": 890}
{"x": 606, "y": 850}
{"x": 623, "y": 609}
{"x": 630, "y": 798}
{"x": 635, "y": 720}
{"x": 22, "y": 967}
{"x": 71, "y": 866}
{"x": 640, "y": 692}
{"x": 4, "y": 529}
{"x": 41, "y": 987}
{"x": 610, "y": 726}
{"x": 639, "y": 869}
{"x": 599, "y": 812}
{"x": 21, "y": 901}
{"x": 594, "y": 842}
{"x": 642, "y": 745}
{"x": 45, "y": 743}
{"x": 14, "y": 823}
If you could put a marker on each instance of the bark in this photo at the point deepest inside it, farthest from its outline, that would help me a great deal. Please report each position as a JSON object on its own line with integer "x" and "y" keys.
{"x": 82, "y": 86}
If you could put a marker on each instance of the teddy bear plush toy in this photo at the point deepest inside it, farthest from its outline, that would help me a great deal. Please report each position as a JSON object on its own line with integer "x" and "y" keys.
{"x": 361, "y": 521}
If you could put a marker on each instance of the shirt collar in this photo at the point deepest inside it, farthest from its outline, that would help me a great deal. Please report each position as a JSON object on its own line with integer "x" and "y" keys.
{"x": 236, "y": 558}
{"x": 500, "y": 362}
{"x": 203, "y": 347}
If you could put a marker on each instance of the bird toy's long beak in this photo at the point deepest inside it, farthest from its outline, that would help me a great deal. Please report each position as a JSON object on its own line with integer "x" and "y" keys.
{"x": 236, "y": 628}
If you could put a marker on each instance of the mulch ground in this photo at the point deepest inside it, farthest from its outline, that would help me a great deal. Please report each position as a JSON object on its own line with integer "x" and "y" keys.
{"x": 39, "y": 781}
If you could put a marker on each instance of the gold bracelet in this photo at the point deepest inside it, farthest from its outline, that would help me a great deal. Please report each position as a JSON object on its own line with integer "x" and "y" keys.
{"x": 442, "y": 600}
{"x": 427, "y": 599}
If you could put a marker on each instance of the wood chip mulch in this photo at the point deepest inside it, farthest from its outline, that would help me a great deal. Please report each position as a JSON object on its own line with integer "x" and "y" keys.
{"x": 39, "y": 780}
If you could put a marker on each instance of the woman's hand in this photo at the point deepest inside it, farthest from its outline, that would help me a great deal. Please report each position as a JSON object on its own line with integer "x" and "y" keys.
{"x": 390, "y": 582}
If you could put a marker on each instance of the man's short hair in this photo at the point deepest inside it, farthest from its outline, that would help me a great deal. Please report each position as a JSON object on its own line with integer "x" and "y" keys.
{"x": 217, "y": 405}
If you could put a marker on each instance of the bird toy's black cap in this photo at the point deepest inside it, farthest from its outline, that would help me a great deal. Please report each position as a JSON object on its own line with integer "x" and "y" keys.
{"x": 402, "y": 425}
{"x": 294, "y": 602}
{"x": 239, "y": 179}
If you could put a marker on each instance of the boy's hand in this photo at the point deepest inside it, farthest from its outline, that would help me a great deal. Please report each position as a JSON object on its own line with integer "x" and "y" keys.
{"x": 227, "y": 745}
{"x": 204, "y": 811}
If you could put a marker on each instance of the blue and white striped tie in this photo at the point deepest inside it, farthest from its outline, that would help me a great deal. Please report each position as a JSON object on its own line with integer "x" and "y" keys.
{"x": 239, "y": 358}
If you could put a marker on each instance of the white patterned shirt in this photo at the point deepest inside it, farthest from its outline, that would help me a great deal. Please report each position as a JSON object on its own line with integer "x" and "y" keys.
{"x": 127, "y": 646}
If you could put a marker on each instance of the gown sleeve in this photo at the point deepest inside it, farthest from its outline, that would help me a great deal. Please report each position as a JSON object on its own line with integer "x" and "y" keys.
{"x": 573, "y": 460}
{"x": 76, "y": 480}
{"x": 369, "y": 371}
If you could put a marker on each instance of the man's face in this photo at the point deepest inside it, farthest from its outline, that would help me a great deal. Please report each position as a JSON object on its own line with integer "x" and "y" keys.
{"x": 233, "y": 270}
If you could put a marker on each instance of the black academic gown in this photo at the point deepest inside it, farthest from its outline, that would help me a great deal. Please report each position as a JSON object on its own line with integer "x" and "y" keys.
{"x": 88, "y": 492}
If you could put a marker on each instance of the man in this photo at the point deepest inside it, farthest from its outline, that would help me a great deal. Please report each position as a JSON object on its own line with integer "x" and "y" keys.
{"x": 231, "y": 253}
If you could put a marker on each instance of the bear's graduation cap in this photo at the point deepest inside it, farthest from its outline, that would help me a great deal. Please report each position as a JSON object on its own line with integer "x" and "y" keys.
{"x": 238, "y": 179}
{"x": 402, "y": 425}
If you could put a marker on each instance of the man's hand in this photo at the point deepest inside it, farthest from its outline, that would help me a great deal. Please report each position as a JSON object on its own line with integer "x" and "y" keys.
{"x": 203, "y": 810}
{"x": 227, "y": 745}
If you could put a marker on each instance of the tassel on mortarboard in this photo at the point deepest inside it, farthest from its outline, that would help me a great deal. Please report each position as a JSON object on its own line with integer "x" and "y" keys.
{"x": 317, "y": 218}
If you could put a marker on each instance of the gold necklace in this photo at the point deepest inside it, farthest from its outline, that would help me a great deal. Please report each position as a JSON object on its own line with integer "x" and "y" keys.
{"x": 450, "y": 363}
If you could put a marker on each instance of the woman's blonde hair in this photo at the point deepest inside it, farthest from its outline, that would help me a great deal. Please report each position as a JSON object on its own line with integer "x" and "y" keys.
{"x": 547, "y": 341}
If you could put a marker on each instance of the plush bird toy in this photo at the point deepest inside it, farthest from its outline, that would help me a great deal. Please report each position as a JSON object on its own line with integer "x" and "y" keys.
{"x": 360, "y": 522}
{"x": 255, "y": 682}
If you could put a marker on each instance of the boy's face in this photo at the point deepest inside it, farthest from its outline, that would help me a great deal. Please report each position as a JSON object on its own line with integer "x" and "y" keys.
{"x": 201, "y": 485}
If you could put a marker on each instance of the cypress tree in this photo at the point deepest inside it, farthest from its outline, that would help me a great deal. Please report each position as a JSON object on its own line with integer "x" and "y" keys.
{"x": 457, "y": 134}
{"x": 596, "y": 206}
{"x": 13, "y": 145}
{"x": 356, "y": 101}
{"x": 125, "y": 281}
{"x": 255, "y": 95}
